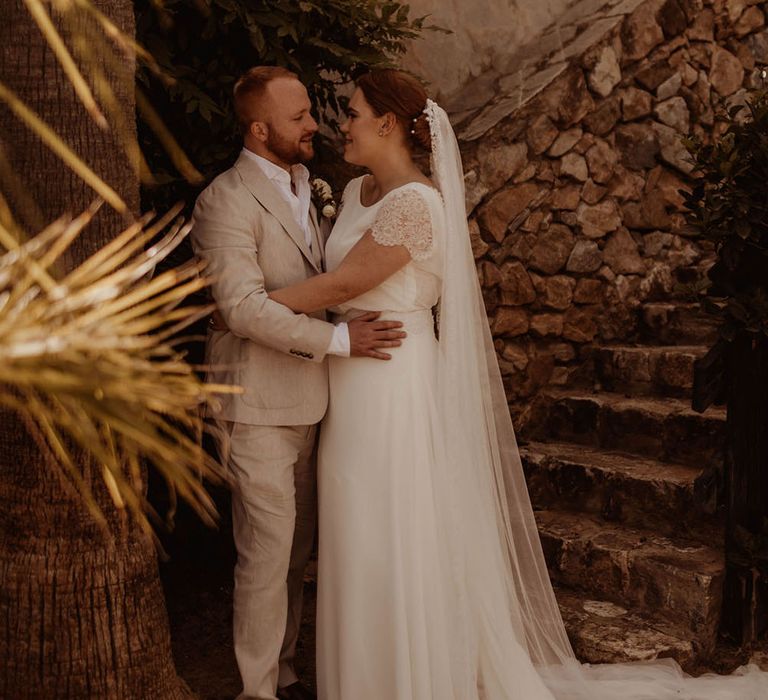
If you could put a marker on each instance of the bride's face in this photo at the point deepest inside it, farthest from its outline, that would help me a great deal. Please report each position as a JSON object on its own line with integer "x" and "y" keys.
{"x": 361, "y": 131}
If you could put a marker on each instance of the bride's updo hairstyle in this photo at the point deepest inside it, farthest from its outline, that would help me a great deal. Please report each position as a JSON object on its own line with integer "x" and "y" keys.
{"x": 390, "y": 90}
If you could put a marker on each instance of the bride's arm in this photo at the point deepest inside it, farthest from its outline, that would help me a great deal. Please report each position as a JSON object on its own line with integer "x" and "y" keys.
{"x": 366, "y": 266}
{"x": 401, "y": 232}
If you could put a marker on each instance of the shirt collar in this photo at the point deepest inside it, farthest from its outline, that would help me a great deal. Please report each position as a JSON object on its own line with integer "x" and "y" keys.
{"x": 299, "y": 172}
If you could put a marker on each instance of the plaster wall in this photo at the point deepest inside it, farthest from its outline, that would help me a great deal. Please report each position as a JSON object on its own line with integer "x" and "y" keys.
{"x": 484, "y": 33}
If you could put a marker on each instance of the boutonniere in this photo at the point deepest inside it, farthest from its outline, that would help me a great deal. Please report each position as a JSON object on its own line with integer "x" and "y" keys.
{"x": 324, "y": 196}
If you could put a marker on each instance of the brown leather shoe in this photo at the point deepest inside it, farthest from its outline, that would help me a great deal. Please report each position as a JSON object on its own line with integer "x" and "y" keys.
{"x": 295, "y": 691}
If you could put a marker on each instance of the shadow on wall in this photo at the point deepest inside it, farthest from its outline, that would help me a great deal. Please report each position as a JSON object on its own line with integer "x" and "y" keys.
{"x": 485, "y": 32}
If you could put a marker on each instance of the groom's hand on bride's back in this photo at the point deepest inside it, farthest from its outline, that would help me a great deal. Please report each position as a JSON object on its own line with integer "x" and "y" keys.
{"x": 368, "y": 335}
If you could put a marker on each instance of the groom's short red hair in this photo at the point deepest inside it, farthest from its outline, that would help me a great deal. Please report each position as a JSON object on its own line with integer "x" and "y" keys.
{"x": 249, "y": 91}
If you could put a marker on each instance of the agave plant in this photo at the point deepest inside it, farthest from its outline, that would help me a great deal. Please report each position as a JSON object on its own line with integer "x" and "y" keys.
{"x": 90, "y": 361}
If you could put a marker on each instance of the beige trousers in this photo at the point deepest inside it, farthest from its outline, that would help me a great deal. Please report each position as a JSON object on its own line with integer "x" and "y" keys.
{"x": 274, "y": 513}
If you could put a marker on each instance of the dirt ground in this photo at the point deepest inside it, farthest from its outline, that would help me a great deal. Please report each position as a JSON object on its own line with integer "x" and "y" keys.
{"x": 198, "y": 582}
{"x": 201, "y": 625}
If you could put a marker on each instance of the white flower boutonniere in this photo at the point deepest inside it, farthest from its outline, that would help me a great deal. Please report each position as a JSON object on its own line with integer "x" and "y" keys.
{"x": 324, "y": 196}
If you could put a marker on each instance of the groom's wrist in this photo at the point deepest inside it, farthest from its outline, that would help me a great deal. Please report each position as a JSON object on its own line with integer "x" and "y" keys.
{"x": 340, "y": 344}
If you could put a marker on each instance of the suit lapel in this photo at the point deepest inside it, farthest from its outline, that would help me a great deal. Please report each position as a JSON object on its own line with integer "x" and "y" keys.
{"x": 264, "y": 191}
{"x": 318, "y": 244}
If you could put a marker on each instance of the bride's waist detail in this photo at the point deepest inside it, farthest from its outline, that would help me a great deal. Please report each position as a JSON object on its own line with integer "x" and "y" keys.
{"x": 416, "y": 321}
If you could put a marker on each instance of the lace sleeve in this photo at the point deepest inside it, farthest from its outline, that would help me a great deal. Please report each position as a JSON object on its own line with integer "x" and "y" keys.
{"x": 404, "y": 219}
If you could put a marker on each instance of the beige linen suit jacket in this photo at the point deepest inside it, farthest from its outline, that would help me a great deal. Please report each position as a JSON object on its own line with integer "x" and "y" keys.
{"x": 251, "y": 243}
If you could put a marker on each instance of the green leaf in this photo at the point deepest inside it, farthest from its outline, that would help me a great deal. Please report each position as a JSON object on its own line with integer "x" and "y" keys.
{"x": 325, "y": 41}
{"x": 257, "y": 38}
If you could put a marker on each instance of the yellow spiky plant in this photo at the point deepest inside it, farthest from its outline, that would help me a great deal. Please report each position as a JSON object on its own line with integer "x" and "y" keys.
{"x": 88, "y": 358}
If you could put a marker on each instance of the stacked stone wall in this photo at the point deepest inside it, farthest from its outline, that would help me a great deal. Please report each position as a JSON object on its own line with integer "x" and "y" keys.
{"x": 574, "y": 166}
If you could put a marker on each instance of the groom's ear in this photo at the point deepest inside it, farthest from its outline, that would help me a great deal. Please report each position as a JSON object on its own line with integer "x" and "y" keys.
{"x": 259, "y": 130}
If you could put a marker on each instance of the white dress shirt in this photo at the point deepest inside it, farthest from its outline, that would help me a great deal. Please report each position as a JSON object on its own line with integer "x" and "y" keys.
{"x": 294, "y": 188}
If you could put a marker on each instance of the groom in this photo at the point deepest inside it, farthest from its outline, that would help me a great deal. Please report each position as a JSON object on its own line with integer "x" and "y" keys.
{"x": 257, "y": 229}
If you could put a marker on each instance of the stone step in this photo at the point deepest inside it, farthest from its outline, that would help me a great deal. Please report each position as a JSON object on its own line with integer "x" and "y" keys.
{"x": 603, "y": 632}
{"x": 647, "y": 370}
{"x": 620, "y": 488}
{"x": 677, "y": 324}
{"x": 666, "y": 429}
{"x": 677, "y": 580}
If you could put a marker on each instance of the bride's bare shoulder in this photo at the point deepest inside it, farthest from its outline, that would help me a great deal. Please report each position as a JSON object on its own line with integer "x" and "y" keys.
{"x": 424, "y": 180}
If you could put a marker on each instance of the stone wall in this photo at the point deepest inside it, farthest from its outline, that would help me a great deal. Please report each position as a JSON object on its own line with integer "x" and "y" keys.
{"x": 573, "y": 169}
{"x": 482, "y": 32}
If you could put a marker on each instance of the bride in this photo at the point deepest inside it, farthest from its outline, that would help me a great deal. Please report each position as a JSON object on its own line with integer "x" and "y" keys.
{"x": 432, "y": 581}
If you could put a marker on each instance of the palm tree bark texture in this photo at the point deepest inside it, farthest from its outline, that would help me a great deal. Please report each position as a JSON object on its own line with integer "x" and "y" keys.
{"x": 82, "y": 613}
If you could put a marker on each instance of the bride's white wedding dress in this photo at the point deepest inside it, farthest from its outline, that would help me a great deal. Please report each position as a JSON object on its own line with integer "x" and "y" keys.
{"x": 432, "y": 584}
{"x": 383, "y": 604}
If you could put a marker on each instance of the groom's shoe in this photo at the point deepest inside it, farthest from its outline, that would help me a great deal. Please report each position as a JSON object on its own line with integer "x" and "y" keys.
{"x": 295, "y": 691}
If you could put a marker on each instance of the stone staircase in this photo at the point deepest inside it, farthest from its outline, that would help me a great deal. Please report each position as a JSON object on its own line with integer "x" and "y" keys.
{"x": 612, "y": 470}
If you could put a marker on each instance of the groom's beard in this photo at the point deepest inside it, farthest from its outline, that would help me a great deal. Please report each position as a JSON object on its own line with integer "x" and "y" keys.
{"x": 289, "y": 151}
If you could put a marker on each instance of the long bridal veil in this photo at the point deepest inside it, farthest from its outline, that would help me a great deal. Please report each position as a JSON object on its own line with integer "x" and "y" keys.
{"x": 507, "y": 632}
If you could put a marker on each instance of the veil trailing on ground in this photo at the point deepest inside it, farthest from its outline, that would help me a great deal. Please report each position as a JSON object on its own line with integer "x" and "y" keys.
{"x": 503, "y": 598}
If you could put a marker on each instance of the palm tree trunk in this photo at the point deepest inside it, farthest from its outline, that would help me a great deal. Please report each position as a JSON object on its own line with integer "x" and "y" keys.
{"x": 81, "y": 613}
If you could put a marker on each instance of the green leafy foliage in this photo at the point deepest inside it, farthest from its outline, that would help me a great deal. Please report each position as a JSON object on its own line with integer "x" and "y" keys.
{"x": 206, "y": 44}
{"x": 729, "y": 206}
